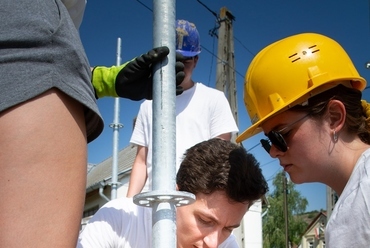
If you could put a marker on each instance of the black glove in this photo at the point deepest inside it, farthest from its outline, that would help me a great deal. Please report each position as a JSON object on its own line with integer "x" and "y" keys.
{"x": 133, "y": 80}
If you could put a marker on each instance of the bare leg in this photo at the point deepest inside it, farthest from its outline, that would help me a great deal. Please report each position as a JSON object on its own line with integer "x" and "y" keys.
{"x": 42, "y": 172}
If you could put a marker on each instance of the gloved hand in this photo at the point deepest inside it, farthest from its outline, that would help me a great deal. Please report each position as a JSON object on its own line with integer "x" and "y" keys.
{"x": 133, "y": 80}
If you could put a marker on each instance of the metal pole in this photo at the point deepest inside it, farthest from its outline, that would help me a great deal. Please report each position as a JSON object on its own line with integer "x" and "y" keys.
{"x": 116, "y": 126}
{"x": 164, "y": 119}
{"x": 164, "y": 198}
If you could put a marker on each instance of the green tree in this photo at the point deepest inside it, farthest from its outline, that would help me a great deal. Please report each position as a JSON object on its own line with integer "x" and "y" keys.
{"x": 274, "y": 220}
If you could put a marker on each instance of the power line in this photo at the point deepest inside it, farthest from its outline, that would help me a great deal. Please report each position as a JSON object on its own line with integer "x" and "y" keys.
{"x": 253, "y": 147}
{"x": 210, "y": 70}
{"x": 273, "y": 175}
{"x": 144, "y": 5}
{"x": 212, "y": 32}
{"x": 268, "y": 163}
{"x": 211, "y": 11}
{"x": 221, "y": 60}
{"x": 244, "y": 46}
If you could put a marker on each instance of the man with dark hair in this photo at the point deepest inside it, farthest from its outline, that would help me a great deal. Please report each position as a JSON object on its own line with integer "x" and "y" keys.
{"x": 226, "y": 181}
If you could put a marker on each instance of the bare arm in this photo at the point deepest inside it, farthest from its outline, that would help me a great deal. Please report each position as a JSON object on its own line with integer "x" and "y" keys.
{"x": 225, "y": 136}
{"x": 139, "y": 173}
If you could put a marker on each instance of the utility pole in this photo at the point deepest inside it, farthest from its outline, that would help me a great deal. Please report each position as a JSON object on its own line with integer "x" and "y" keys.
{"x": 225, "y": 75}
{"x": 285, "y": 189}
{"x": 331, "y": 199}
{"x": 249, "y": 234}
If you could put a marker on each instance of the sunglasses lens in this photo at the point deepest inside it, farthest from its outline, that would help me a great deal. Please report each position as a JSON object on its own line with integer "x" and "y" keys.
{"x": 266, "y": 145}
{"x": 278, "y": 141}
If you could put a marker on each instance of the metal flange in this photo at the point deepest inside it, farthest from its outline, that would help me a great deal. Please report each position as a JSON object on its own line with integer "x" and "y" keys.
{"x": 178, "y": 198}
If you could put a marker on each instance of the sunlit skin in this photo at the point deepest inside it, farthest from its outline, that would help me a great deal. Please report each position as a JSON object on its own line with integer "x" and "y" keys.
{"x": 189, "y": 66}
{"x": 208, "y": 221}
{"x": 312, "y": 155}
{"x": 308, "y": 146}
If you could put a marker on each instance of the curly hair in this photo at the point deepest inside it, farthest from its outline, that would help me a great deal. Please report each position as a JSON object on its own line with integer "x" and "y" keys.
{"x": 219, "y": 165}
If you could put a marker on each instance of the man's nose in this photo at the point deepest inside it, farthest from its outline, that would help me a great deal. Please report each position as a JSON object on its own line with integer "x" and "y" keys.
{"x": 274, "y": 152}
{"x": 212, "y": 239}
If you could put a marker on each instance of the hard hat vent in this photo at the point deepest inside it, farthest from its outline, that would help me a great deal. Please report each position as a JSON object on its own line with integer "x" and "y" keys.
{"x": 305, "y": 52}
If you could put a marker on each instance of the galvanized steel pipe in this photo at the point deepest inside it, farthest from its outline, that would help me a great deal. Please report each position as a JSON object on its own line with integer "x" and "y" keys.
{"x": 164, "y": 198}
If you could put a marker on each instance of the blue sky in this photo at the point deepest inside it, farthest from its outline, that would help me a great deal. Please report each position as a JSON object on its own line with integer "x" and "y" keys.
{"x": 257, "y": 24}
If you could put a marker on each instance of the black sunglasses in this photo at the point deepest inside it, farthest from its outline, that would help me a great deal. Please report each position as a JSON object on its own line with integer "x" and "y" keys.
{"x": 188, "y": 58}
{"x": 276, "y": 138}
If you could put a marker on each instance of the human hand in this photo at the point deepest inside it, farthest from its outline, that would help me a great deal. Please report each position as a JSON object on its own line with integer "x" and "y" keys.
{"x": 134, "y": 79}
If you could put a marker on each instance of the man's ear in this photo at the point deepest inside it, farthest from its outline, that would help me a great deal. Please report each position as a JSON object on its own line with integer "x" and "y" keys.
{"x": 337, "y": 114}
{"x": 177, "y": 187}
{"x": 196, "y": 60}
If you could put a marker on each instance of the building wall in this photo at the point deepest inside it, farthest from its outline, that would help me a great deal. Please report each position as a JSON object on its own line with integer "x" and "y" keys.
{"x": 315, "y": 235}
{"x": 252, "y": 227}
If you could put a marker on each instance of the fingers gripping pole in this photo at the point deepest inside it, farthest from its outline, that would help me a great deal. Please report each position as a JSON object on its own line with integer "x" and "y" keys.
{"x": 164, "y": 198}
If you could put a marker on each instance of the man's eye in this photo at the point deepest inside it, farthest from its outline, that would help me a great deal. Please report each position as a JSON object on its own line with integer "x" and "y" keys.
{"x": 204, "y": 221}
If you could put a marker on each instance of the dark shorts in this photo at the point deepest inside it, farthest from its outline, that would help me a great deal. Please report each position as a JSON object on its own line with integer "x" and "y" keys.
{"x": 40, "y": 49}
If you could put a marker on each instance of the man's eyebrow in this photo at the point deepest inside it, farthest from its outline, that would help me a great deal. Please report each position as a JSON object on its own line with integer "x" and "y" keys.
{"x": 215, "y": 220}
{"x": 233, "y": 226}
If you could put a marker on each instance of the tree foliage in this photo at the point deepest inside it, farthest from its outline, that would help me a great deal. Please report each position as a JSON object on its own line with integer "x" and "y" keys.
{"x": 274, "y": 220}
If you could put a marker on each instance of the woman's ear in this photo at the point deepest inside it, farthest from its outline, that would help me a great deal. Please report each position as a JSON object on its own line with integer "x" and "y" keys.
{"x": 337, "y": 114}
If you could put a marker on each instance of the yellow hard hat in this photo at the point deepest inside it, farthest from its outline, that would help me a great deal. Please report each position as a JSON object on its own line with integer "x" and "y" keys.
{"x": 290, "y": 71}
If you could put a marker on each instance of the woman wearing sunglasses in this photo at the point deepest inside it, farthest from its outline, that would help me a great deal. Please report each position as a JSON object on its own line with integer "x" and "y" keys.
{"x": 304, "y": 93}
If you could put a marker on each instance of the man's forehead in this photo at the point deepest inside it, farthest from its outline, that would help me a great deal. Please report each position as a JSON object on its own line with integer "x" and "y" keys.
{"x": 218, "y": 207}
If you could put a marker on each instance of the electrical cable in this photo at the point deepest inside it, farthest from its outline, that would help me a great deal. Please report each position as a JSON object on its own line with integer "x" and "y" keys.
{"x": 144, "y": 5}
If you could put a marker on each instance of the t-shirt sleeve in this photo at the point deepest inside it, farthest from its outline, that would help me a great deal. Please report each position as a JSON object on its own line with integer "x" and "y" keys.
{"x": 76, "y": 9}
{"x": 103, "y": 228}
{"x": 222, "y": 119}
{"x": 141, "y": 133}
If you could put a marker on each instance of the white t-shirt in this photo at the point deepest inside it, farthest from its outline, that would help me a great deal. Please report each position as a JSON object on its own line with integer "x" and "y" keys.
{"x": 349, "y": 224}
{"x": 122, "y": 224}
{"x": 202, "y": 113}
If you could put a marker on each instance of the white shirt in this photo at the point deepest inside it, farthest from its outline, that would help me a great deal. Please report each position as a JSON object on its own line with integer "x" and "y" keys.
{"x": 122, "y": 224}
{"x": 202, "y": 113}
{"x": 349, "y": 223}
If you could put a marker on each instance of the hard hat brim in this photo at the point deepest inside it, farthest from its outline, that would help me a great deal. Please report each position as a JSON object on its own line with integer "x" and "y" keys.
{"x": 188, "y": 53}
{"x": 357, "y": 83}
